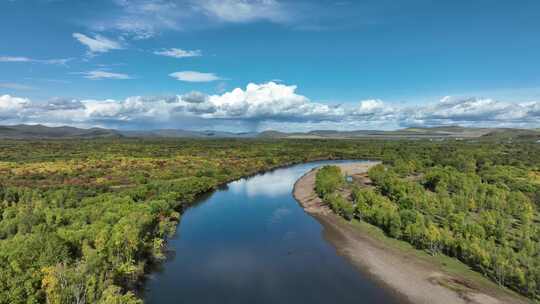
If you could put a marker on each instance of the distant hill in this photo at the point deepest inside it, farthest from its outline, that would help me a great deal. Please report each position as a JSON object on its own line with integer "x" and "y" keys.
{"x": 44, "y": 132}
{"x": 272, "y": 134}
{"x": 435, "y": 133}
{"x": 508, "y": 134}
{"x": 40, "y": 131}
{"x": 178, "y": 133}
{"x": 453, "y": 129}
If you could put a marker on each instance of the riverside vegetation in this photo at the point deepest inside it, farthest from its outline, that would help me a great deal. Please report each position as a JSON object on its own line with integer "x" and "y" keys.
{"x": 477, "y": 203}
{"x": 81, "y": 221}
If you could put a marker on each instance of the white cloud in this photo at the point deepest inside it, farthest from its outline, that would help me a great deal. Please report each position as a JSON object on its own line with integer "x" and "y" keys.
{"x": 58, "y": 104}
{"x": 265, "y": 106}
{"x": 269, "y": 101}
{"x": 472, "y": 111}
{"x": 193, "y": 76}
{"x": 245, "y": 10}
{"x": 59, "y": 61}
{"x": 194, "y": 97}
{"x": 178, "y": 53}
{"x": 98, "y": 44}
{"x": 99, "y": 74}
{"x": 373, "y": 107}
{"x": 143, "y": 19}
{"x": 8, "y": 103}
{"x": 14, "y": 59}
{"x": 11, "y": 106}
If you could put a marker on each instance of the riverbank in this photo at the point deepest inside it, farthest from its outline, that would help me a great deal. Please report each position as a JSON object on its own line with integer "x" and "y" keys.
{"x": 408, "y": 272}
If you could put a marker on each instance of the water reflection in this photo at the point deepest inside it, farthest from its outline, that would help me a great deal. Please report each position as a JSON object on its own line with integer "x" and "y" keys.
{"x": 271, "y": 184}
{"x": 251, "y": 242}
{"x": 279, "y": 214}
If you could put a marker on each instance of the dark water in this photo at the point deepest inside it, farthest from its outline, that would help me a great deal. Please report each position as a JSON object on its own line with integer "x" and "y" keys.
{"x": 252, "y": 243}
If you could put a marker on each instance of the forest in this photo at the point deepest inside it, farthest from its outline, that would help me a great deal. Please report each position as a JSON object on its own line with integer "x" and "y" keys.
{"x": 476, "y": 202}
{"x": 83, "y": 221}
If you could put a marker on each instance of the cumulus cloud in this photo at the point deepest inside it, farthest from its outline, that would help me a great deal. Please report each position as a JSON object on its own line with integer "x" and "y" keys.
{"x": 194, "y": 97}
{"x": 375, "y": 109}
{"x": 100, "y": 74}
{"x": 178, "y": 53}
{"x": 11, "y": 106}
{"x": 193, "y": 76}
{"x": 269, "y": 101}
{"x": 58, "y": 104}
{"x": 265, "y": 106}
{"x": 470, "y": 111}
{"x": 97, "y": 44}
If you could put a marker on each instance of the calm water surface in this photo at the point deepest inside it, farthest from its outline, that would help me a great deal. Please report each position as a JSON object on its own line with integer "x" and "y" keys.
{"x": 251, "y": 242}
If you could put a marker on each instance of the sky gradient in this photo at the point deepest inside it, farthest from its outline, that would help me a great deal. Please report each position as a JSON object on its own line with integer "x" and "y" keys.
{"x": 242, "y": 65}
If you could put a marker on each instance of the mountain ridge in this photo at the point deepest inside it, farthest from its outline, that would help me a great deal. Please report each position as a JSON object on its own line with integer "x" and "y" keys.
{"x": 26, "y": 131}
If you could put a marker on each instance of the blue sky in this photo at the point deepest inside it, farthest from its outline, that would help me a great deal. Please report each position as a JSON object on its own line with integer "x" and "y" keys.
{"x": 313, "y": 64}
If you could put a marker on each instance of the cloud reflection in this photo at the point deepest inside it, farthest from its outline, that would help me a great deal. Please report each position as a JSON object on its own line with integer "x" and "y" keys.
{"x": 271, "y": 184}
{"x": 279, "y": 214}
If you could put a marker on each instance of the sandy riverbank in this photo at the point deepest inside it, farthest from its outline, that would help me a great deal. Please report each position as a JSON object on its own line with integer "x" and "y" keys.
{"x": 418, "y": 280}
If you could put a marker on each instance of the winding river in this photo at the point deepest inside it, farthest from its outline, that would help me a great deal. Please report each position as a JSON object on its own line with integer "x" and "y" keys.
{"x": 250, "y": 242}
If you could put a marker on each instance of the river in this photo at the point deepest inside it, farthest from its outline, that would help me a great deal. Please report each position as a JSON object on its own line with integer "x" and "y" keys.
{"x": 250, "y": 242}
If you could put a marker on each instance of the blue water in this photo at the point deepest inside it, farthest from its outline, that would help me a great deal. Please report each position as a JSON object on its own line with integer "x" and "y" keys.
{"x": 250, "y": 242}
